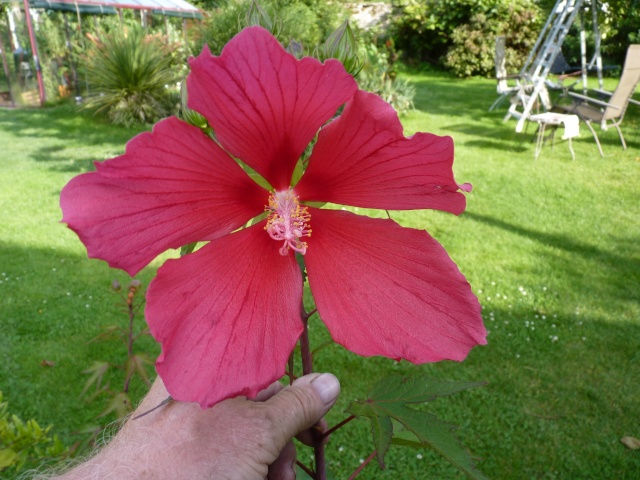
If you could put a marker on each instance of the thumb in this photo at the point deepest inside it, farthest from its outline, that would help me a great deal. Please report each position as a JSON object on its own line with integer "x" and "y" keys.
{"x": 299, "y": 406}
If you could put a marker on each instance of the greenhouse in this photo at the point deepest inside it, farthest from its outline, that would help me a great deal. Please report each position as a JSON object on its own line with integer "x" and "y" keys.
{"x": 41, "y": 45}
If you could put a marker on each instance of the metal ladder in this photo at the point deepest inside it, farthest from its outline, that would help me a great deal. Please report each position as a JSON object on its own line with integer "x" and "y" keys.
{"x": 540, "y": 60}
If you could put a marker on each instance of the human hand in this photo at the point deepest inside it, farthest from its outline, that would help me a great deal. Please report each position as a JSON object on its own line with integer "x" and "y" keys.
{"x": 235, "y": 439}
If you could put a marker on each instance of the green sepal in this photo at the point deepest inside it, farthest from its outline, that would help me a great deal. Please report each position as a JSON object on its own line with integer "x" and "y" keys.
{"x": 303, "y": 267}
{"x": 259, "y": 179}
{"x": 187, "y": 249}
{"x": 297, "y": 173}
{"x": 191, "y": 116}
{"x": 315, "y": 204}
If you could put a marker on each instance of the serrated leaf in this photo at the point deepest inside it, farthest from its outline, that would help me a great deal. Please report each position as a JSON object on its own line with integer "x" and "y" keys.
{"x": 416, "y": 389}
{"x": 120, "y": 403}
{"x": 96, "y": 372}
{"x": 381, "y": 426}
{"x": 136, "y": 364}
{"x": 388, "y": 400}
{"x": 438, "y": 435}
{"x": 382, "y": 431}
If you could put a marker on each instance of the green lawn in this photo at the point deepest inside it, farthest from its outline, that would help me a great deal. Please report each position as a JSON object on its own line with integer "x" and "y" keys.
{"x": 551, "y": 247}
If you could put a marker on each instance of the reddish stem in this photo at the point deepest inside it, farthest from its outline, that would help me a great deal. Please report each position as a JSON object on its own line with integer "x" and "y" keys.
{"x": 305, "y": 468}
{"x": 305, "y": 350}
{"x": 130, "y": 340}
{"x": 364, "y": 464}
{"x": 339, "y": 425}
{"x": 290, "y": 372}
{"x": 307, "y": 368}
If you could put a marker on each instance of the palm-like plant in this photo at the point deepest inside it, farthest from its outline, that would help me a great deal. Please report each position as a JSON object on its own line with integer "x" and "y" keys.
{"x": 130, "y": 71}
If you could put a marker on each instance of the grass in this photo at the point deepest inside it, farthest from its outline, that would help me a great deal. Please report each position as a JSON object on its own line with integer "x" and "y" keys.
{"x": 551, "y": 247}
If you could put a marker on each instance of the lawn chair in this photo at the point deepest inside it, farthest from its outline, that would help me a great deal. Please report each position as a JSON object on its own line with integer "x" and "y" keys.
{"x": 589, "y": 109}
{"x": 504, "y": 89}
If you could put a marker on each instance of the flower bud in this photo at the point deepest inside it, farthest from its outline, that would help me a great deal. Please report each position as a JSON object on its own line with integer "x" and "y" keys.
{"x": 135, "y": 283}
{"x": 190, "y": 116}
{"x": 256, "y": 15}
{"x": 116, "y": 285}
{"x": 342, "y": 46}
{"x": 295, "y": 49}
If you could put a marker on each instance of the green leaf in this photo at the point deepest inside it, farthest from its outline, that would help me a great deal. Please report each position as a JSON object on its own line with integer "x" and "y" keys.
{"x": 7, "y": 457}
{"x": 137, "y": 364}
{"x": 388, "y": 400}
{"x": 120, "y": 404}
{"x": 97, "y": 371}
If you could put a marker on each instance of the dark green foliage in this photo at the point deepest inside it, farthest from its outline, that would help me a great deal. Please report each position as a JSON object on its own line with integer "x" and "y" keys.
{"x": 130, "y": 72}
{"x": 308, "y": 22}
{"x": 423, "y": 29}
{"x": 619, "y": 25}
{"x": 378, "y": 75}
{"x": 473, "y": 48}
{"x": 389, "y": 399}
{"x": 461, "y": 34}
{"x": 24, "y": 443}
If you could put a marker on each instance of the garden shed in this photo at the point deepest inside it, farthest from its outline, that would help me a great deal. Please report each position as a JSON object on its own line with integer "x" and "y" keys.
{"x": 21, "y": 29}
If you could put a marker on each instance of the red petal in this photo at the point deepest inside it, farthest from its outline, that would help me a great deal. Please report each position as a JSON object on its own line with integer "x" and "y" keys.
{"x": 382, "y": 289}
{"x": 228, "y": 317}
{"x": 363, "y": 159}
{"x": 172, "y": 187}
{"x": 264, "y": 105}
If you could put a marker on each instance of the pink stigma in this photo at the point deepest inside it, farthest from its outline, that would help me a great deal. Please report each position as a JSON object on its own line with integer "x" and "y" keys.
{"x": 288, "y": 221}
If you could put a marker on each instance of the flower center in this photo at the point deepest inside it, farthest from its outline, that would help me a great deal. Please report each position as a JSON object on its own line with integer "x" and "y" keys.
{"x": 288, "y": 221}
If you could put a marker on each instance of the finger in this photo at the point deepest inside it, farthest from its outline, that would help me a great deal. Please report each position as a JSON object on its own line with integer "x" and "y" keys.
{"x": 284, "y": 468}
{"x": 307, "y": 436}
{"x": 299, "y": 406}
{"x": 268, "y": 392}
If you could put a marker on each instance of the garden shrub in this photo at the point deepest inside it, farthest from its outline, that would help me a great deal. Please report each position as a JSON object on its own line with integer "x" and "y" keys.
{"x": 473, "y": 48}
{"x": 308, "y": 22}
{"x": 422, "y": 29}
{"x": 24, "y": 443}
{"x": 426, "y": 30}
{"x": 132, "y": 72}
{"x": 379, "y": 76}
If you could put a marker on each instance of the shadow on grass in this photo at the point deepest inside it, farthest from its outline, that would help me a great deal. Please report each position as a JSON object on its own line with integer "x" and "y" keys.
{"x": 621, "y": 274}
{"x": 454, "y": 98}
{"x": 77, "y": 130}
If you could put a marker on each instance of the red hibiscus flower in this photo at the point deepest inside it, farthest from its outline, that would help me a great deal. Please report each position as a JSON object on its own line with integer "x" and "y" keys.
{"x": 228, "y": 315}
